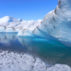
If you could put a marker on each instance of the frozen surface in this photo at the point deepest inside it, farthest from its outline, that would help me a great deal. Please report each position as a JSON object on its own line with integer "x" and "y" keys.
{"x": 20, "y": 62}
{"x": 10, "y": 24}
{"x": 57, "y": 22}
{"x": 59, "y": 67}
{"x": 11, "y": 61}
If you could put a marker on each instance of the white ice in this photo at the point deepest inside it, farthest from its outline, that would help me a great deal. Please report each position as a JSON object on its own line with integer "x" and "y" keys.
{"x": 11, "y": 61}
{"x": 57, "y": 22}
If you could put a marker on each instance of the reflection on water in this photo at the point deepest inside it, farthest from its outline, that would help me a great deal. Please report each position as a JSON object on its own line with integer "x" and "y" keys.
{"x": 10, "y": 42}
{"x": 50, "y": 50}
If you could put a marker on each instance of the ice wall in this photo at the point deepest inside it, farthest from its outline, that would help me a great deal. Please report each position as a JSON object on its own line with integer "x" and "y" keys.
{"x": 57, "y": 22}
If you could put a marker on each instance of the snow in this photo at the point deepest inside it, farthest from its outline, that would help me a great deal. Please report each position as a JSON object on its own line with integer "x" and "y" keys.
{"x": 15, "y": 62}
{"x": 59, "y": 67}
{"x": 26, "y": 27}
{"x": 4, "y": 19}
{"x": 57, "y": 23}
{"x": 12, "y": 61}
{"x": 39, "y": 65}
{"x": 11, "y": 24}
{"x": 10, "y": 30}
{"x": 8, "y": 19}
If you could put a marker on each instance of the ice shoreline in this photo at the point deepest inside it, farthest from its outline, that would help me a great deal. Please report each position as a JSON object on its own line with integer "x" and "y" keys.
{"x": 11, "y": 61}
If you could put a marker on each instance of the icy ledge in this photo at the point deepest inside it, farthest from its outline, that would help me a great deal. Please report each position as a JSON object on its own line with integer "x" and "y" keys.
{"x": 10, "y": 61}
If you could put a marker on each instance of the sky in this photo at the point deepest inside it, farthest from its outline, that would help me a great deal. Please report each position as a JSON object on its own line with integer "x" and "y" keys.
{"x": 26, "y": 9}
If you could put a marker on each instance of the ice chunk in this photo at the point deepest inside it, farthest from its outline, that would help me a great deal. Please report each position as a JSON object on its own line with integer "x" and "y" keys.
{"x": 59, "y": 67}
{"x": 39, "y": 65}
{"x": 11, "y": 61}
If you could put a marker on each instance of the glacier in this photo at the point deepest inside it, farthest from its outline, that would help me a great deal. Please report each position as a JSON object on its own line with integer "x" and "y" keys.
{"x": 10, "y": 24}
{"x": 57, "y": 23}
{"x": 56, "y": 26}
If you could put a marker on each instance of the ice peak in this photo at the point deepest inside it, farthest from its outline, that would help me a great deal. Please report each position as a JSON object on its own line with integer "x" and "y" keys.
{"x": 7, "y": 19}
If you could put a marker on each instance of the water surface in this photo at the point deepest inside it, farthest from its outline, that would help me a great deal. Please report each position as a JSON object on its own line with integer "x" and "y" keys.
{"x": 50, "y": 50}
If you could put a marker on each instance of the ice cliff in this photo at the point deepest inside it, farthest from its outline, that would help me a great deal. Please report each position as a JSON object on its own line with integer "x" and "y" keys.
{"x": 57, "y": 23}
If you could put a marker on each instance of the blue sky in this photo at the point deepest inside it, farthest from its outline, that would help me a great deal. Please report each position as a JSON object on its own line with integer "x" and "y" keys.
{"x": 26, "y": 9}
